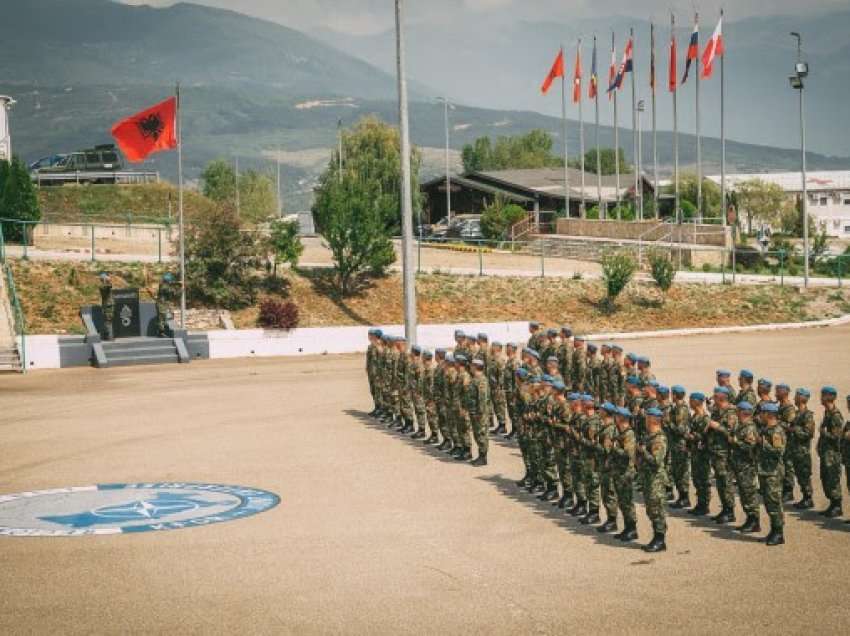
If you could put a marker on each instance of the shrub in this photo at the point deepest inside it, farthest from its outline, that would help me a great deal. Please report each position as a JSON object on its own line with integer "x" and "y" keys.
{"x": 748, "y": 258}
{"x": 663, "y": 271}
{"x": 499, "y": 217}
{"x": 278, "y": 315}
{"x": 617, "y": 271}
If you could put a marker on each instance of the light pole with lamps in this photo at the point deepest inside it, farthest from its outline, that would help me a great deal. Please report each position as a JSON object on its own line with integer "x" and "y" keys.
{"x": 447, "y": 105}
{"x": 641, "y": 108}
{"x": 801, "y": 71}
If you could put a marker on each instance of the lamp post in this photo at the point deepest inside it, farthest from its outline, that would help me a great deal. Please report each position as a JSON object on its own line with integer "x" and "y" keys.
{"x": 640, "y": 109}
{"x": 801, "y": 71}
{"x": 447, "y": 105}
{"x": 6, "y": 104}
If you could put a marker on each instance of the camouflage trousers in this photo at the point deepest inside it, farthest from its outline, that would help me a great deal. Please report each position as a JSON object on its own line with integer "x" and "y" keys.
{"x": 443, "y": 421}
{"x": 590, "y": 478}
{"x": 394, "y": 402}
{"x": 680, "y": 469}
{"x": 481, "y": 429}
{"x": 771, "y": 494}
{"x": 608, "y": 492}
{"x": 723, "y": 479}
{"x": 830, "y": 474}
{"x": 655, "y": 498}
{"x": 406, "y": 404}
{"x": 421, "y": 412}
{"x": 525, "y": 451}
{"x": 746, "y": 475}
{"x": 543, "y": 457}
{"x": 577, "y": 477}
{"x": 701, "y": 469}
{"x": 462, "y": 425}
{"x": 562, "y": 465}
{"x": 499, "y": 406}
{"x": 625, "y": 489}
{"x": 513, "y": 412}
{"x": 798, "y": 467}
{"x": 433, "y": 415}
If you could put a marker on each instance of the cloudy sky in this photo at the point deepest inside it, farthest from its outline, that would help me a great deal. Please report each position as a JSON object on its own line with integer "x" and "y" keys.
{"x": 374, "y": 16}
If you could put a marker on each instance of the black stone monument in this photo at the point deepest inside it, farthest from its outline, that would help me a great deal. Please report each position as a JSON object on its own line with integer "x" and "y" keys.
{"x": 126, "y": 319}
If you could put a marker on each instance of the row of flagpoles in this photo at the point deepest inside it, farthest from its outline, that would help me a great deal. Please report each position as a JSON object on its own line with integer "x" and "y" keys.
{"x": 713, "y": 50}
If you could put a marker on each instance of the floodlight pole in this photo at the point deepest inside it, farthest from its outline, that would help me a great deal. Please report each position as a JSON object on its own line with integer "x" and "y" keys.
{"x": 805, "y": 201}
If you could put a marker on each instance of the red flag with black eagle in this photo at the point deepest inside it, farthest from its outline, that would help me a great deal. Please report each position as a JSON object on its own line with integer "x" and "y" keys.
{"x": 152, "y": 130}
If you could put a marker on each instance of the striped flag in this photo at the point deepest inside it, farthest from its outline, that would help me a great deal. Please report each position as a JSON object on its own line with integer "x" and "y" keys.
{"x": 577, "y": 75}
{"x": 674, "y": 56}
{"x": 626, "y": 66}
{"x": 693, "y": 51}
{"x": 594, "y": 78}
{"x": 713, "y": 49}
{"x": 612, "y": 73}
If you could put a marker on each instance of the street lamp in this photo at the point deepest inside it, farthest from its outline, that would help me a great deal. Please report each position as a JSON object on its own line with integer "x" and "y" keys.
{"x": 447, "y": 105}
{"x": 6, "y": 104}
{"x": 641, "y": 109}
{"x": 801, "y": 71}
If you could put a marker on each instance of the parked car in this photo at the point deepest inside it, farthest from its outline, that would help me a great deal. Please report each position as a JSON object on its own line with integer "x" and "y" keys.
{"x": 466, "y": 227}
{"x": 94, "y": 165}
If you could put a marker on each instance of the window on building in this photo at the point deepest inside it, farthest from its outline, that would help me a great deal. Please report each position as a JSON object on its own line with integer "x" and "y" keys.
{"x": 824, "y": 201}
{"x": 847, "y": 229}
{"x": 846, "y": 202}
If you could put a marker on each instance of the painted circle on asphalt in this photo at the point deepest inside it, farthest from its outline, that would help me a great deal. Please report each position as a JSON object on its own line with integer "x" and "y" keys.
{"x": 107, "y": 509}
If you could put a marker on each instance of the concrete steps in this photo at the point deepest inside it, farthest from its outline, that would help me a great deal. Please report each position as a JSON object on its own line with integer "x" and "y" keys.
{"x": 584, "y": 248}
{"x": 10, "y": 360}
{"x": 140, "y": 351}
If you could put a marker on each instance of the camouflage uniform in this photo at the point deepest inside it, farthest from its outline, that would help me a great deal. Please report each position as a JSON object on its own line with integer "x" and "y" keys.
{"x": 417, "y": 391}
{"x": 431, "y": 396}
{"x": 544, "y": 452}
{"x": 651, "y": 456}
{"x": 680, "y": 461}
{"x": 743, "y": 446}
{"x": 588, "y": 453}
{"x": 393, "y": 367}
{"x": 829, "y": 451}
{"x": 623, "y": 456}
{"x": 787, "y": 415}
{"x": 798, "y": 451}
{"x": 510, "y": 384}
{"x": 521, "y": 425}
{"x": 746, "y": 395}
{"x": 565, "y": 361}
{"x": 770, "y": 469}
{"x": 476, "y": 402}
{"x": 575, "y": 461}
{"x": 700, "y": 458}
{"x": 462, "y": 422}
{"x": 440, "y": 391}
{"x": 608, "y": 435}
{"x": 405, "y": 381}
{"x": 560, "y": 445}
{"x": 579, "y": 369}
{"x": 718, "y": 444}
{"x": 496, "y": 376}
{"x": 371, "y": 372}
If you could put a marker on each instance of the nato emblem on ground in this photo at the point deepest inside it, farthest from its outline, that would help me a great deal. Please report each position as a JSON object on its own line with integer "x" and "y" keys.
{"x": 107, "y": 509}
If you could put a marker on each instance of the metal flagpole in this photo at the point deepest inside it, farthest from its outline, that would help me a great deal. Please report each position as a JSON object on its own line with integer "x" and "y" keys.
{"x": 654, "y": 126}
{"x": 180, "y": 213}
{"x": 406, "y": 187}
{"x": 448, "y": 167}
{"x": 238, "y": 202}
{"x": 564, "y": 134}
{"x": 602, "y": 213}
{"x": 339, "y": 149}
{"x": 677, "y": 211}
{"x": 581, "y": 137}
{"x": 634, "y": 126}
{"x": 699, "y": 137}
{"x": 279, "y": 198}
{"x": 616, "y": 135}
{"x": 723, "y": 136}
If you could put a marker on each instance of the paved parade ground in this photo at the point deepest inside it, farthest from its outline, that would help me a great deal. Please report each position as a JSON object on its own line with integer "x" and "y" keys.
{"x": 374, "y": 532}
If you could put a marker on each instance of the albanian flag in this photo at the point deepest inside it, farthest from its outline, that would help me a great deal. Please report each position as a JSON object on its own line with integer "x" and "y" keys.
{"x": 152, "y": 130}
{"x": 557, "y": 71}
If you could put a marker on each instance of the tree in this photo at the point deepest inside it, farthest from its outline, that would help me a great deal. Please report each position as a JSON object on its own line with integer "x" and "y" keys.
{"x": 710, "y": 195}
{"x": 352, "y": 221}
{"x": 257, "y": 197}
{"x": 284, "y": 243}
{"x": 662, "y": 269}
{"x": 499, "y": 217}
{"x": 18, "y": 199}
{"x": 219, "y": 181}
{"x": 532, "y": 150}
{"x": 761, "y": 201}
{"x": 617, "y": 270}
{"x": 791, "y": 221}
{"x": 607, "y": 160}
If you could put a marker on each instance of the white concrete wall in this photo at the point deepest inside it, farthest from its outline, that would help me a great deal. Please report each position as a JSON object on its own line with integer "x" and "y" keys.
{"x": 42, "y": 352}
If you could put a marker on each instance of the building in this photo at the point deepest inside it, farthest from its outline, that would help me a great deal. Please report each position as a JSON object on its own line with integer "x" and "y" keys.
{"x": 828, "y": 192}
{"x": 537, "y": 190}
{"x": 5, "y": 134}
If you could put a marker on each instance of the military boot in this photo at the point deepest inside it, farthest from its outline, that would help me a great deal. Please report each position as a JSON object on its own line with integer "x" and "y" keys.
{"x": 776, "y": 537}
{"x": 656, "y": 545}
{"x": 752, "y": 524}
{"x": 567, "y": 498}
{"x": 834, "y": 509}
{"x": 501, "y": 430}
{"x": 550, "y": 493}
{"x": 444, "y": 445}
{"x": 456, "y": 451}
{"x": 700, "y": 509}
{"x": 629, "y": 533}
{"x": 787, "y": 495}
{"x": 523, "y": 483}
{"x": 580, "y": 509}
{"x": 591, "y": 517}
{"x": 432, "y": 439}
{"x": 481, "y": 461}
{"x": 805, "y": 503}
{"x": 467, "y": 454}
{"x": 670, "y": 495}
{"x": 511, "y": 435}
{"x": 726, "y": 516}
{"x": 609, "y": 526}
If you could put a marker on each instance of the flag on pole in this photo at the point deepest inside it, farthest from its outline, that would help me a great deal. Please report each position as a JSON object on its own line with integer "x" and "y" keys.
{"x": 693, "y": 51}
{"x": 652, "y": 57}
{"x": 152, "y": 130}
{"x": 713, "y": 49}
{"x": 577, "y": 76}
{"x": 593, "y": 90}
{"x": 674, "y": 56}
{"x": 612, "y": 73}
{"x": 556, "y": 71}
{"x": 626, "y": 66}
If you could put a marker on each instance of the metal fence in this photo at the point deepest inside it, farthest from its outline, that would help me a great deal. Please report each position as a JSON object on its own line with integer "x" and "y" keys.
{"x": 19, "y": 325}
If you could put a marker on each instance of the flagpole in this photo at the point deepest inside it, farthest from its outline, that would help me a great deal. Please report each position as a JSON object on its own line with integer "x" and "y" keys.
{"x": 564, "y": 135}
{"x": 654, "y": 126}
{"x": 616, "y": 137}
{"x": 180, "y": 213}
{"x": 676, "y": 201}
{"x": 599, "y": 209}
{"x": 581, "y": 136}
{"x": 699, "y": 138}
{"x": 722, "y": 135}
{"x": 638, "y": 214}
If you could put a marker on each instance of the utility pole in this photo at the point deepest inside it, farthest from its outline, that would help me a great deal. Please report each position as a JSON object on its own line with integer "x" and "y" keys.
{"x": 445, "y": 101}
{"x": 801, "y": 71}
{"x": 238, "y": 202}
{"x": 279, "y": 196}
{"x": 406, "y": 188}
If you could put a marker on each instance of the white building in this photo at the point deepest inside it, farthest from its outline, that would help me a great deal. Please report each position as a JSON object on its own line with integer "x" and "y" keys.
{"x": 5, "y": 134}
{"x": 828, "y": 191}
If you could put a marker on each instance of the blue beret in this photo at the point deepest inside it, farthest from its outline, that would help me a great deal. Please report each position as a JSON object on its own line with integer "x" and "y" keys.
{"x": 633, "y": 380}
{"x": 427, "y": 354}
{"x": 699, "y": 397}
{"x": 765, "y": 383}
{"x": 663, "y": 390}
{"x": 567, "y": 332}
{"x": 745, "y": 406}
{"x": 617, "y": 348}
{"x": 678, "y": 389}
{"x": 552, "y": 332}
{"x": 624, "y": 412}
{"x": 534, "y": 324}
{"x": 459, "y": 357}
{"x": 654, "y": 384}
{"x": 723, "y": 390}
{"x": 459, "y": 333}
{"x": 609, "y": 408}
{"x": 496, "y": 343}
{"x": 592, "y": 348}
{"x": 631, "y": 357}
{"x": 552, "y": 359}
{"x": 723, "y": 373}
{"x": 746, "y": 374}
{"x": 534, "y": 354}
{"x": 782, "y": 386}
{"x": 804, "y": 393}
{"x": 385, "y": 337}
{"x": 522, "y": 373}
{"x": 643, "y": 360}
{"x": 587, "y": 397}
{"x": 574, "y": 397}
{"x": 548, "y": 379}
{"x": 483, "y": 336}
{"x": 654, "y": 412}
{"x": 379, "y": 333}
{"x": 559, "y": 386}
{"x": 416, "y": 349}
{"x": 829, "y": 390}
{"x": 770, "y": 407}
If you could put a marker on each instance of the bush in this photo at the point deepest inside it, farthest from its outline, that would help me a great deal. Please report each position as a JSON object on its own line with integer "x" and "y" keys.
{"x": 499, "y": 217}
{"x": 617, "y": 271}
{"x": 748, "y": 258}
{"x": 278, "y": 315}
{"x": 663, "y": 271}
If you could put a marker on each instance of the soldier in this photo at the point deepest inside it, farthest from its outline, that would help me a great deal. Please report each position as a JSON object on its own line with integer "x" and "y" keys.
{"x": 542, "y": 431}
{"x": 763, "y": 389}
{"x": 393, "y": 364}
{"x": 574, "y": 450}
{"x": 608, "y": 435}
{"x": 594, "y": 371}
{"x": 429, "y": 375}
{"x": 770, "y": 469}
{"x": 553, "y": 343}
{"x": 603, "y": 384}
{"x": 511, "y": 388}
{"x": 746, "y": 394}
{"x": 477, "y": 405}
{"x": 799, "y": 433}
{"x": 385, "y": 365}
{"x": 565, "y": 355}
{"x": 372, "y": 353}
{"x": 460, "y": 343}
{"x": 483, "y": 352}
{"x": 845, "y": 446}
{"x": 560, "y": 443}
{"x": 553, "y": 368}
{"x": 645, "y": 373}
{"x": 700, "y": 453}
{"x": 450, "y": 438}
{"x": 165, "y": 297}
{"x": 666, "y": 408}
{"x": 680, "y": 461}
{"x": 406, "y": 383}
{"x": 463, "y": 443}
{"x": 534, "y": 342}
{"x": 519, "y": 425}
{"x": 651, "y": 452}
{"x": 634, "y": 399}
{"x": 629, "y": 365}
{"x": 531, "y": 422}
{"x": 829, "y": 451}
{"x": 418, "y": 391}
{"x": 500, "y": 382}
{"x": 743, "y": 444}
{"x": 107, "y": 305}
{"x": 579, "y": 370}
{"x": 590, "y": 472}
{"x": 724, "y": 379}
{"x": 623, "y": 453}
{"x": 649, "y": 400}
{"x": 724, "y": 420}
{"x": 616, "y": 376}
{"x": 439, "y": 392}
{"x": 534, "y": 368}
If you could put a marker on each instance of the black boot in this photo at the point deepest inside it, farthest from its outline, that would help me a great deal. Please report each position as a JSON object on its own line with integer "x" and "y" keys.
{"x": 444, "y": 445}
{"x": 776, "y": 537}
{"x": 726, "y": 516}
{"x": 567, "y": 498}
{"x": 805, "y": 503}
{"x": 580, "y": 509}
{"x": 787, "y": 496}
{"x": 629, "y": 533}
{"x": 501, "y": 430}
{"x": 700, "y": 509}
{"x": 511, "y": 435}
{"x": 523, "y": 483}
{"x": 609, "y": 526}
{"x": 752, "y": 524}
{"x": 550, "y": 493}
{"x": 657, "y": 544}
{"x": 456, "y": 452}
{"x": 591, "y": 517}
{"x": 834, "y": 509}
{"x": 670, "y": 495}
{"x": 420, "y": 434}
{"x": 481, "y": 461}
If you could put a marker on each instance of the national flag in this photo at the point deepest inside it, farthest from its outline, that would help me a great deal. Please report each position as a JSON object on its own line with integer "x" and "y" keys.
{"x": 652, "y": 57}
{"x": 674, "y": 56}
{"x": 612, "y": 72}
{"x": 626, "y": 66}
{"x": 557, "y": 71}
{"x": 713, "y": 49}
{"x": 152, "y": 130}
{"x": 693, "y": 51}
{"x": 577, "y": 76}
{"x": 593, "y": 91}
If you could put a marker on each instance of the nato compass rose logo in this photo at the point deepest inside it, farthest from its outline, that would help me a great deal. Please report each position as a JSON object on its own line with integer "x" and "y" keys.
{"x": 126, "y": 508}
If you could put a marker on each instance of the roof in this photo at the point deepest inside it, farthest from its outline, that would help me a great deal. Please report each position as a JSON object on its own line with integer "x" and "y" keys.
{"x": 550, "y": 182}
{"x": 793, "y": 181}
{"x": 477, "y": 185}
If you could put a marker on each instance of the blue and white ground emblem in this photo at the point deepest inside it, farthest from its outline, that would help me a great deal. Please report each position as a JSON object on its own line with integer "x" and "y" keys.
{"x": 127, "y": 508}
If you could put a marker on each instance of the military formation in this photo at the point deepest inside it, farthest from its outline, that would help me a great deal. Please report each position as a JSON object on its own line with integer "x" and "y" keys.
{"x": 594, "y": 426}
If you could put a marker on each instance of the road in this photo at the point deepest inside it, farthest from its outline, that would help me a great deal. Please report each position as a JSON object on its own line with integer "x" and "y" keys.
{"x": 375, "y": 533}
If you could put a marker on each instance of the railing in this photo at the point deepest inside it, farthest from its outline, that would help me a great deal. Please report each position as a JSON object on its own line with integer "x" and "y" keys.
{"x": 17, "y": 325}
{"x": 127, "y": 177}
{"x": 523, "y": 228}
{"x": 666, "y": 236}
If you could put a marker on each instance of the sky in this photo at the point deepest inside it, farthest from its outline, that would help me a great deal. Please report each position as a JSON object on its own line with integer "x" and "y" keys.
{"x": 366, "y": 17}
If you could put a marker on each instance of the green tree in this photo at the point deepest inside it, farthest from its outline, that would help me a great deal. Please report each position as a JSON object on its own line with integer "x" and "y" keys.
{"x": 18, "y": 199}
{"x": 532, "y": 150}
{"x": 607, "y": 161}
{"x": 257, "y": 197}
{"x": 662, "y": 269}
{"x": 284, "y": 243}
{"x": 791, "y": 221}
{"x": 618, "y": 268}
{"x": 498, "y": 218}
{"x": 352, "y": 221}
{"x": 761, "y": 201}
{"x": 219, "y": 181}
{"x": 710, "y": 195}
